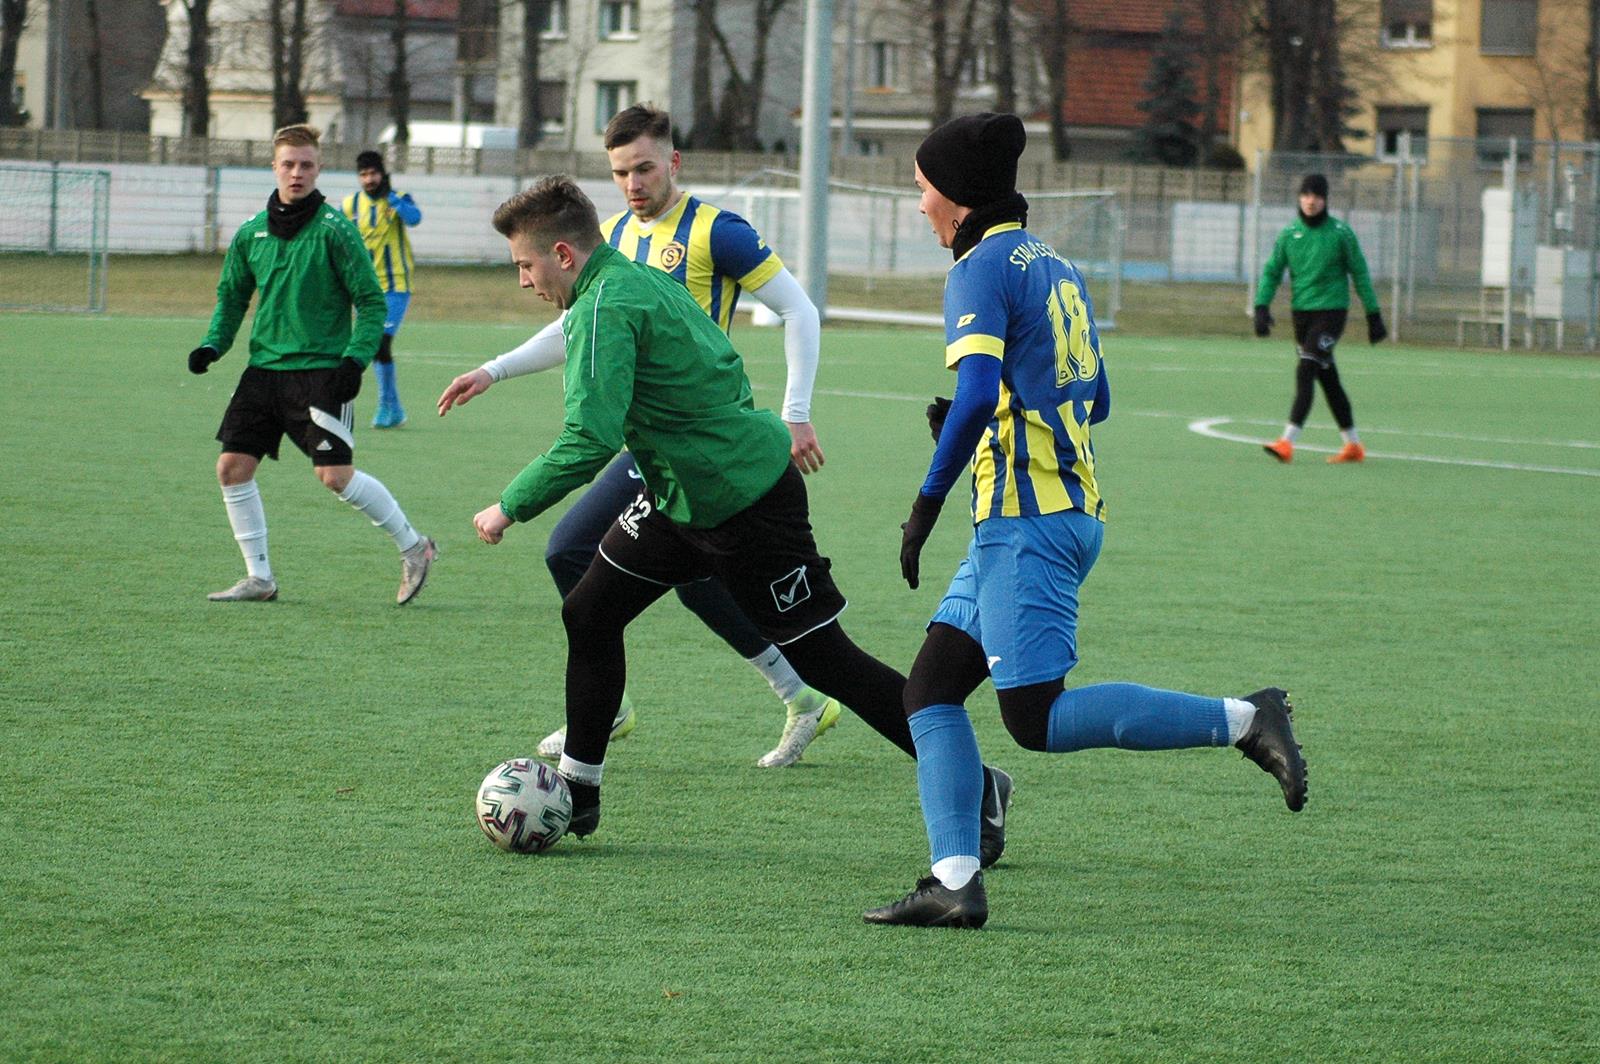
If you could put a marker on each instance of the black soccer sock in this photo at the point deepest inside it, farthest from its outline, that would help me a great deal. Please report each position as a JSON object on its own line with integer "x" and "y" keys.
{"x": 827, "y": 660}
{"x": 1305, "y": 381}
{"x": 595, "y": 615}
{"x": 709, "y": 600}
{"x": 385, "y": 349}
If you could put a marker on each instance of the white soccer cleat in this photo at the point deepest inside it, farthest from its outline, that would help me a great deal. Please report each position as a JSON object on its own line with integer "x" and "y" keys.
{"x": 414, "y": 566}
{"x": 250, "y": 589}
{"x": 810, "y": 714}
{"x": 552, "y": 746}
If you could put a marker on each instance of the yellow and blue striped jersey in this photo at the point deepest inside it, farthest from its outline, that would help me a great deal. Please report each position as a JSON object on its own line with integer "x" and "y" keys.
{"x": 383, "y": 229}
{"x": 1012, "y": 297}
{"x": 712, "y": 252}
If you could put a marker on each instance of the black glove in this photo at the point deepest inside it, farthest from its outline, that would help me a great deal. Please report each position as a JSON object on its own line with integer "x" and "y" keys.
{"x": 1375, "y": 327}
{"x": 914, "y": 533}
{"x": 937, "y": 411}
{"x": 1263, "y": 321}
{"x": 200, "y": 359}
{"x": 346, "y": 380}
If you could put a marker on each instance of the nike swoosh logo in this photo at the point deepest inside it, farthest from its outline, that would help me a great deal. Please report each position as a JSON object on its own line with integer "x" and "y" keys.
{"x": 993, "y": 658}
{"x": 635, "y": 474}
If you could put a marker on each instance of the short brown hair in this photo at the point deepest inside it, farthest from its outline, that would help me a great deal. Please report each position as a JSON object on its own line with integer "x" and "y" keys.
{"x": 640, "y": 120}
{"x": 297, "y": 136}
{"x": 553, "y": 209}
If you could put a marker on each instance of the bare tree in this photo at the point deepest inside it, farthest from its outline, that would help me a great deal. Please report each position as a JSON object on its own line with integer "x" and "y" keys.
{"x": 1050, "y": 26}
{"x": 1221, "y": 32}
{"x": 399, "y": 83}
{"x": 1005, "y": 70}
{"x": 196, "y": 79}
{"x": 95, "y": 65}
{"x": 1560, "y": 74}
{"x": 951, "y": 50}
{"x": 13, "y": 14}
{"x": 1591, "y": 76}
{"x": 535, "y": 15}
{"x": 737, "y": 119}
{"x": 288, "y": 63}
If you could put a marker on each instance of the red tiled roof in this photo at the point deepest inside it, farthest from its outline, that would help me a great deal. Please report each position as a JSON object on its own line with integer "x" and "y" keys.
{"x": 1105, "y": 84}
{"x": 439, "y": 9}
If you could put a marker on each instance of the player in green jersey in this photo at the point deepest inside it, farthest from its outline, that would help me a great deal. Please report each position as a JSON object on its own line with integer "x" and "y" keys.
{"x": 307, "y": 267}
{"x": 1322, "y": 256}
{"x": 646, "y": 368}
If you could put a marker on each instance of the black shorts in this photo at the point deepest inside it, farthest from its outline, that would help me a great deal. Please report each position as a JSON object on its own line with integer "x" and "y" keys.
{"x": 764, "y": 555}
{"x": 269, "y": 404}
{"x": 1316, "y": 331}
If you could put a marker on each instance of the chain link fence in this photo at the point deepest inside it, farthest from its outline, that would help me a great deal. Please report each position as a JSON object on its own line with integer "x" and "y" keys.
{"x": 54, "y": 222}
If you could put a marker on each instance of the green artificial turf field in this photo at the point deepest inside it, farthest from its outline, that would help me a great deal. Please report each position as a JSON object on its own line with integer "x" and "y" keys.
{"x": 245, "y": 832}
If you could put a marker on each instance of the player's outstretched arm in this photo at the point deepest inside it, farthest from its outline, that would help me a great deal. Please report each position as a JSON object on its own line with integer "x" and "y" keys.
{"x": 802, "y": 340}
{"x": 545, "y": 349}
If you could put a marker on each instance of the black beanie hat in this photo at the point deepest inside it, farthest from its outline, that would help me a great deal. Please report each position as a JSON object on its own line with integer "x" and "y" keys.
{"x": 972, "y": 160}
{"x": 370, "y": 160}
{"x": 1315, "y": 184}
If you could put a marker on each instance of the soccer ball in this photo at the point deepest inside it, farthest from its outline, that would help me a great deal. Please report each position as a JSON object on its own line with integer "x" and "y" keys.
{"x": 524, "y": 806}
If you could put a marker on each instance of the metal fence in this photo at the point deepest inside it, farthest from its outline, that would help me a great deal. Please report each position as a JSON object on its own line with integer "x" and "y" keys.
{"x": 53, "y": 238}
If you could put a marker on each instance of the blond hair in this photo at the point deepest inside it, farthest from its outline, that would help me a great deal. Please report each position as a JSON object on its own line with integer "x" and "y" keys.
{"x": 297, "y": 136}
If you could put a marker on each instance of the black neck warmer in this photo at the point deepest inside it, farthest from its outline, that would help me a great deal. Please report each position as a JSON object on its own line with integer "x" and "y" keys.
{"x": 1012, "y": 208}
{"x": 284, "y": 220}
{"x": 1314, "y": 220}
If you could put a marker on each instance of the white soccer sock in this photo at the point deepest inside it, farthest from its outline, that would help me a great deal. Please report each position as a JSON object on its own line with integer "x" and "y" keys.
{"x": 1240, "y": 713}
{"x": 1349, "y": 435}
{"x": 1291, "y": 432}
{"x": 249, "y": 520}
{"x": 368, "y": 495}
{"x": 955, "y": 872}
{"x": 771, "y": 663}
{"x": 580, "y": 772}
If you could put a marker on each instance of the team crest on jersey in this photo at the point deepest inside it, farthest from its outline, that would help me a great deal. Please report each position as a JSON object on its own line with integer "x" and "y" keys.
{"x": 672, "y": 255}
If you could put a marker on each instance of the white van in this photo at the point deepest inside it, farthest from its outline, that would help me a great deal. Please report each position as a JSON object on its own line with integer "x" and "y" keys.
{"x": 454, "y": 135}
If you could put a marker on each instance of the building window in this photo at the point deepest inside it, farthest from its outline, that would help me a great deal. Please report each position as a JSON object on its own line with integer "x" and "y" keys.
{"x": 619, "y": 19}
{"x": 976, "y": 71}
{"x": 555, "y": 21}
{"x": 1509, "y": 27}
{"x": 611, "y": 97}
{"x": 1407, "y": 24}
{"x": 553, "y": 106}
{"x": 1496, "y": 129}
{"x": 883, "y": 65}
{"x": 1394, "y": 121}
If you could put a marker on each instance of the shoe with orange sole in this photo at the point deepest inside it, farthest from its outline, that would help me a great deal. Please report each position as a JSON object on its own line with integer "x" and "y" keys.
{"x": 1280, "y": 449}
{"x": 1350, "y": 452}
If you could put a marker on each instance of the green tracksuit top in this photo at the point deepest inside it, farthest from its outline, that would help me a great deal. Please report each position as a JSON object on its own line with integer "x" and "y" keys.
{"x": 307, "y": 286}
{"x": 649, "y": 370}
{"x": 1320, "y": 259}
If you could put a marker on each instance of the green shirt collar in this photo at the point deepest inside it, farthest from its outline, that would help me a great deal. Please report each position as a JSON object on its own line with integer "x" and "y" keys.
{"x": 601, "y": 255}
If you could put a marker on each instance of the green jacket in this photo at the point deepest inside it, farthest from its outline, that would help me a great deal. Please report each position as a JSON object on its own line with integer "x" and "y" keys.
{"x": 1320, "y": 258}
{"x": 307, "y": 286}
{"x": 649, "y": 370}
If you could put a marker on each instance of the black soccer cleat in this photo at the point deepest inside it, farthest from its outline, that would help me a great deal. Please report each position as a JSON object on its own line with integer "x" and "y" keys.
{"x": 996, "y": 801}
{"x": 1269, "y": 742}
{"x": 585, "y": 808}
{"x": 932, "y": 904}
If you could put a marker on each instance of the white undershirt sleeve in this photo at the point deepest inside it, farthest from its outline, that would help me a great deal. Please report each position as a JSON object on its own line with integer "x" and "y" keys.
{"x": 802, "y": 336}
{"x": 546, "y": 349}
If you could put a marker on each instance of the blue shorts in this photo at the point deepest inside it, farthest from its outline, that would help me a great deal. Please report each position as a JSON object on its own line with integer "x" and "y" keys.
{"x": 1016, "y": 593}
{"x": 398, "y": 302}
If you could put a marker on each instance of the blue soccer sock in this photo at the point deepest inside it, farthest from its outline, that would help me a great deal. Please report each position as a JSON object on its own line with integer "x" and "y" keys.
{"x": 949, "y": 779}
{"x": 1133, "y": 717}
{"x": 388, "y": 394}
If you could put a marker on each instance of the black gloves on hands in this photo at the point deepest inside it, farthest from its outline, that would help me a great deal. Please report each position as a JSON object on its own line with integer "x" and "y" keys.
{"x": 346, "y": 380}
{"x": 1263, "y": 321}
{"x": 200, "y": 359}
{"x": 937, "y": 411}
{"x": 1375, "y": 327}
{"x": 914, "y": 533}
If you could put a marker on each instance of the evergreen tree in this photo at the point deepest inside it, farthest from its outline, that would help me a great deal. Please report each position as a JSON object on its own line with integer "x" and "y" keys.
{"x": 1169, "y": 135}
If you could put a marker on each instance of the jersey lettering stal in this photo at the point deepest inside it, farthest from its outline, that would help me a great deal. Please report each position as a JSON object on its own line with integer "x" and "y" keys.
{"x": 713, "y": 253}
{"x": 1014, "y": 298}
